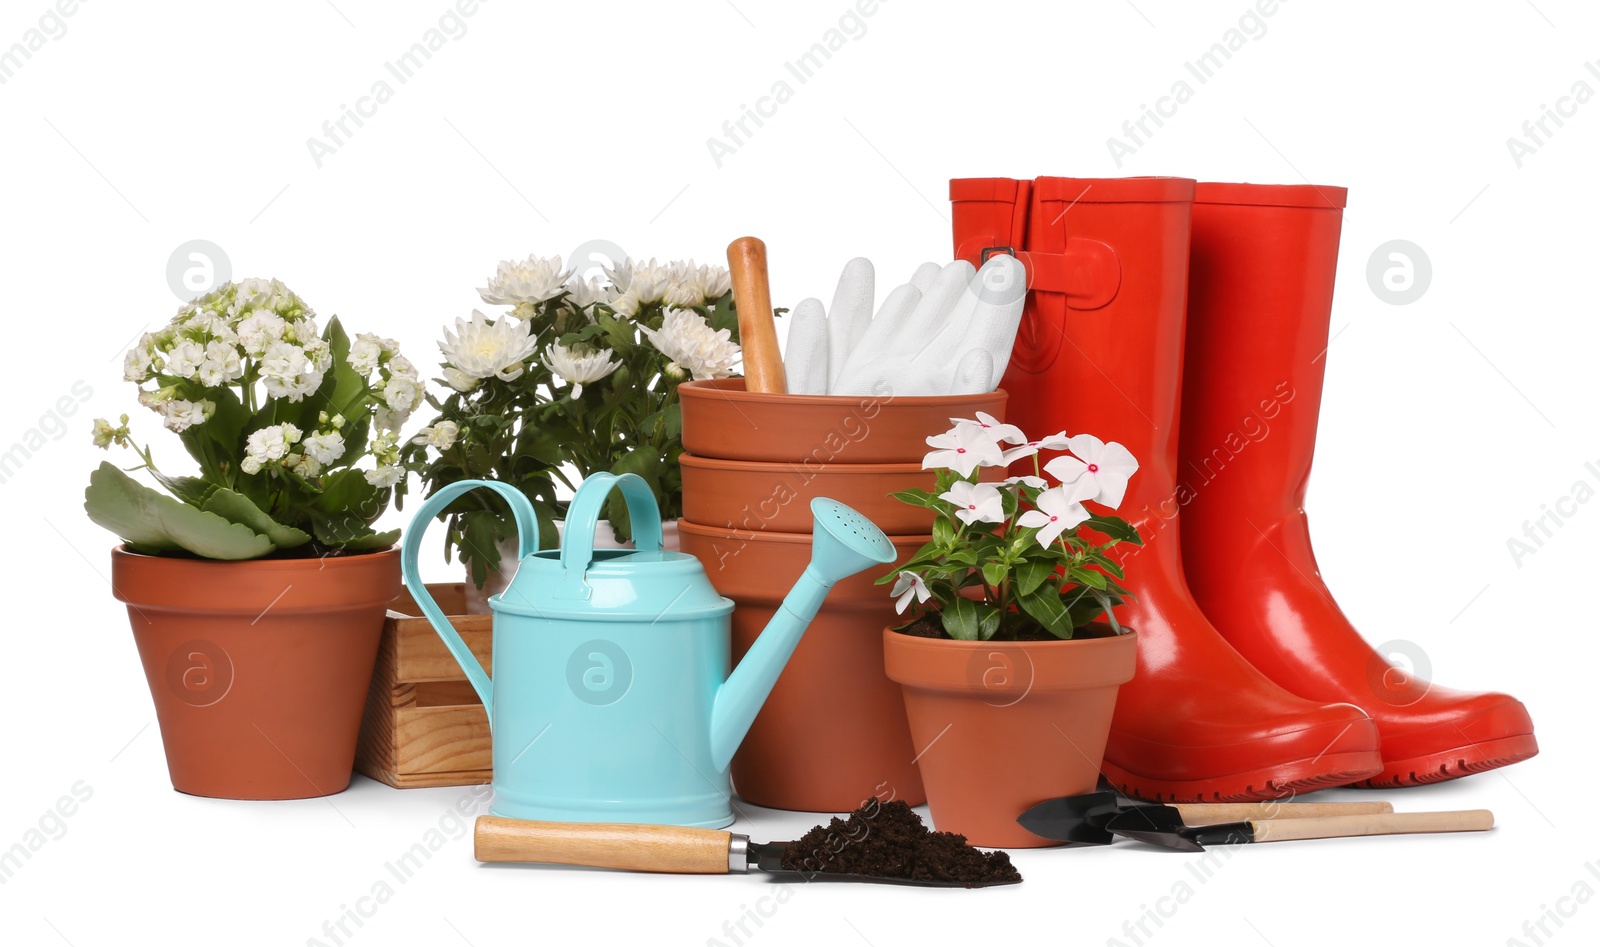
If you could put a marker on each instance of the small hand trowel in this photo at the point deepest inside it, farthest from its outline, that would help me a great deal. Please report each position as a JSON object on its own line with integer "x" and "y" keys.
{"x": 1168, "y": 830}
{"x": 664, "y": 848}
{"x": 1083, "y": 819}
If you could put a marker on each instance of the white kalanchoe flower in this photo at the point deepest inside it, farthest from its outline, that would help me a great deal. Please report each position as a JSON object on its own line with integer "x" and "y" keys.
{"x": 250, "y": 465}
{"x": 1101, "y": 469}
{"x": 184, "y": 358}
{"x": 402, "y": 393}
{"x": 271, "y": 442}
{"x": 975, "y": 502}
{"x": 260, "y": 329}
{"x": 690, "y": 343}
{"x": 441, "y": 436}
{"x": 529, "y": 281}
{"x": 290, "y": 371}
{"x": 140, "y": 360}
{"x": 180, "y": 415}
{"x": 481, "y": 348}
{"x": 385, "y": 476}
{"x": 578, "y": 367}
{"x": 303, "y": 464}
{"x": 324, "y": 448}
{"x": 368, "y": 350}
{"x": 906, "y": 585}
{"x": 222, "y": 364}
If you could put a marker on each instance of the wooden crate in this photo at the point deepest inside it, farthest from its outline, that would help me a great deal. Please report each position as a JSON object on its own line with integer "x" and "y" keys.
{"x": 424, "y": 724}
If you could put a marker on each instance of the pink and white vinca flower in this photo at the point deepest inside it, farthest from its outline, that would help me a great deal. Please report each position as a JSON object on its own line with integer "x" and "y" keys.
{"x": 975, "y": 502}
{"x": 964, "y": 448}
{"x": 1102, "y": 469}
{"x": 907, "y": 585}
{"x": 1028, "y": 448}
{"x": 1058, "y": 510}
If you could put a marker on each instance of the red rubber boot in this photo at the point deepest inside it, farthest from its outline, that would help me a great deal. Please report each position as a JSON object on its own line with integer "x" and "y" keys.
{"x": 1100, "y": 351}
{"x": 1260, "y": 295}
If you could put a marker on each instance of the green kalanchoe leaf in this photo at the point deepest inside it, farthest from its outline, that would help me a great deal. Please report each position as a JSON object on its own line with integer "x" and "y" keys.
{"x": 237, "y": 508}
{"x": 154, "y": 522}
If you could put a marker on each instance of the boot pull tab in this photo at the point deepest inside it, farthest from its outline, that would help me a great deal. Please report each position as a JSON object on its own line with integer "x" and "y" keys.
{"x": 1087, "y": 272}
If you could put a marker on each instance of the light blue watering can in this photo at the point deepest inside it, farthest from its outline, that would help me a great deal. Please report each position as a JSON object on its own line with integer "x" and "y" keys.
{"x": 611, "y": 698}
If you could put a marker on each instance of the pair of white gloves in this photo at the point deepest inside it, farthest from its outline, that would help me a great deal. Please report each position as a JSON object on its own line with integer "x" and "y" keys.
{"x": 948, "y": 331}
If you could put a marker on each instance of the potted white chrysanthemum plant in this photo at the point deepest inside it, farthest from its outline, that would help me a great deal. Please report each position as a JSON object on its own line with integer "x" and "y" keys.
{"x": 576, "y": 377}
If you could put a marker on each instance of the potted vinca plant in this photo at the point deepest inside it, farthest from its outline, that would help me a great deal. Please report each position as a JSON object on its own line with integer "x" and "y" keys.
{"x": 1012, "y": 657}
{"x": 257, "y": 585}
{"x": 571, "y": 378}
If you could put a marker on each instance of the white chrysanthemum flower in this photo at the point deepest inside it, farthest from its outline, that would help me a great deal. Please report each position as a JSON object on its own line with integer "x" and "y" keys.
{"x": 324, "y": 448}
{"x": 441, "y": 436}
{"x": 260, "y": 329}
{"x": 715, "y": 281}
{"x": 626, "y": 304}
{"x": 385, "y": 476}
{"x": 481, "y": 347}
{"x": 577, "y": 366}
{"x": 179, "y": 415}
{"x": 529, "y": 281}
{"x": 459, "y": 380}
{"x": 584, "y": 295}
{"x": 693, "y": 346}
{"x": 644, "y": 282}
{"x": 183, "y": 361}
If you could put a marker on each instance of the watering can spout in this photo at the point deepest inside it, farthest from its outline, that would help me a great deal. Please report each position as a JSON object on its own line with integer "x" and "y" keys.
{"x": 843, "y": 543}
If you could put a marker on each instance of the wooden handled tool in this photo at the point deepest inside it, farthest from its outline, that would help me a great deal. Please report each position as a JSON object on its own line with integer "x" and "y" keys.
{"x": 758, "y": 333}
{"x": 1082, "y": 819}
{"x": 1169, "y": 833}
{"x": 665, "y": 848}
{"x": 1199, "y": 812}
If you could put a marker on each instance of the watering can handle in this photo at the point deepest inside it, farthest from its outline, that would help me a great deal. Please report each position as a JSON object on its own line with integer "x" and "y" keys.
{"x": 583, "y": 514}
{"x": 527, "y": 542}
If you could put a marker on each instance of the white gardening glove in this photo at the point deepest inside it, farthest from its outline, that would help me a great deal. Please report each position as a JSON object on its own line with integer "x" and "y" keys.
{"x": 953, "y": 338}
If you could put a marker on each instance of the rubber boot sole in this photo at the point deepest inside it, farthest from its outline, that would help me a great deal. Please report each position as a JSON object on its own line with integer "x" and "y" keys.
{"x": 1278, "y": 782}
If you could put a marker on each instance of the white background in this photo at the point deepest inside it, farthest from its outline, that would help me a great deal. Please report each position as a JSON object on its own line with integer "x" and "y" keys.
{"x": 1448, "y": 422}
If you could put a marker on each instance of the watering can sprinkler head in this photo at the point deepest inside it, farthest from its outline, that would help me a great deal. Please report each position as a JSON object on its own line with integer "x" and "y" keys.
{"x": 843, "y": 542}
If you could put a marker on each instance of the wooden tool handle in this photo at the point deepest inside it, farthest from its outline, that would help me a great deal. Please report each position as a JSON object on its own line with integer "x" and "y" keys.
{"x": 1211, "y": 812}
{"x": 1392, "y": 823}
{"x": 758, "y": 334}
{"x": 667, "y": 848}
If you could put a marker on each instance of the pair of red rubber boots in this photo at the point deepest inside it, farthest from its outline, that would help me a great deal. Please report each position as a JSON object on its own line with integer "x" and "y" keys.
{"x": 1251, "y": 682}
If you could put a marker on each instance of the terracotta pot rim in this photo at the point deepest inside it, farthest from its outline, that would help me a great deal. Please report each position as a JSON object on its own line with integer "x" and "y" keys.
{"x": 776, "y": 466}
{"x": 726, "y": 388}
{"x": 917, "y": 642}
{"x": 121, "y": 549}
{"x": 773, "y": 536}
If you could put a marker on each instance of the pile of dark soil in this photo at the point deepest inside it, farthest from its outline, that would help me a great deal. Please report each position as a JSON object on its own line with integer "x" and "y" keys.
{"x": 888, "y": 840}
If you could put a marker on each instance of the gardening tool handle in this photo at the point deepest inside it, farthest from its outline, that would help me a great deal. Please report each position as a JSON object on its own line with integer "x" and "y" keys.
{"x": 668, "y": 848}
{"x": 1390, "y": 823}
{"x": 527, "y": 542}
{"x": 583, "y": 515}
{"x": 758, "y": 335}
{"x": 1210, "y": 812}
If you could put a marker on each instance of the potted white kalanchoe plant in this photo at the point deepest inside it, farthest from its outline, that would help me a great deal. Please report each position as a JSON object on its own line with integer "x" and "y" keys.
{"x": 257, "y": 584}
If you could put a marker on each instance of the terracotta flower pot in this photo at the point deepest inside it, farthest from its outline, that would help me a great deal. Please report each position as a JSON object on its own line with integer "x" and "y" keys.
{"x": 722, "y": 420}
{"x": 749, "y": 495}
{"x": 833, "y": 732}
{"x": 259, "y": 670}
{"x": 1000, "y": 726}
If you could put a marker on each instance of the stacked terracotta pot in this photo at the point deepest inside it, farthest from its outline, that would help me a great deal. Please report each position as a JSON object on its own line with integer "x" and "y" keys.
{"x": 834, "y": 731}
